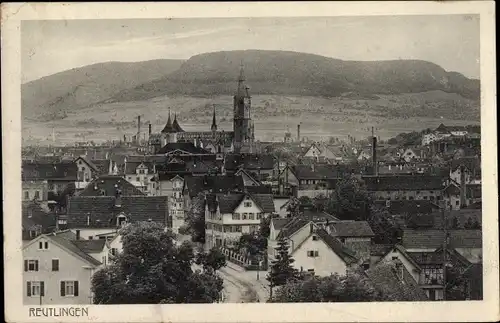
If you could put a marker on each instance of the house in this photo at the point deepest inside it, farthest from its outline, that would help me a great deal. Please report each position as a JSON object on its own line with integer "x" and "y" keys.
{"x": 58, "y": 175}
{"x": 318, "y": 150}
{"x": 403, "y": 187}
{"x": 259, "y": 166}
{"x": 395, "y": 280}
{"x": 466, "y": 170}
{"x": 248, "y": 180}
{"x": 57, "y": 272}
{"x": 426, "y": 267}
{"x": 313, "y": 249}
{"x": 309, "y": 180}
{"x": 37, "y": 190}
{"x": 140, "y": 172}
{"x": 171, "y": 185}
{"x": 36, "y": 221}
{"x": 467, "y": 243}
{"x": 354, "y": 235}
{"x": 229, "y": 216}
{"x": 94, "y": 215}
{"x": 412, "y": 154}
{"x": 86, "y": 172}
{"x": 106, "y": 166}
{"x": 429, "y": 138}
{"x": 109, "y": 185}
{"x": 194, "y": 185}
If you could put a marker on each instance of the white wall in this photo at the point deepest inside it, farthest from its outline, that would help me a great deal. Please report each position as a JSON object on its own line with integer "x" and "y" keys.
{"x": 327, "y": 262}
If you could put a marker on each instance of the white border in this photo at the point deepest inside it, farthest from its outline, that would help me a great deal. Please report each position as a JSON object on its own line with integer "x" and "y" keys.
{"x": 485, "y": 310}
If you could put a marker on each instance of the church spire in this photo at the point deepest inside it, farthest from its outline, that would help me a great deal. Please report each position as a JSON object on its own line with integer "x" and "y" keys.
{"x": 168, "y": 127}
{"x": 214, "y": 123}
{"x": 242, "y": 89}
{"x": 169, "y": 121}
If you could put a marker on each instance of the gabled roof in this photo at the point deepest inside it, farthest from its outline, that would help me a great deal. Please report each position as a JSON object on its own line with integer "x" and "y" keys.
{"x": 203, "y": 166}
{"x": 183, "y": 148}
{"x": 34, "y": 215}
{"x": 317, "y": 216}
{"x": 68, "y": 245}
{"x": 403, "y": 182}
{"x": 259, "y": 189}
{"x": 345, "y": 254}
{"x": 88, "y": 162}
{"x": 213, "y": 184}
{"x": 102, "y": 165}
{"x": 109, "y": 185}
{"x": 294, "y": 225}
{"x": 103, "y": 212}
{"x": 229, "y": 202}
{"x": 279, "y": 223}
{"x": 397, "y": 282}
{"x": 351, "y": 229}
{"x": 433, "y": 239}
{"x": 242, "y": 172}
{"x": 404, "y": 253}
{"x": 318, "y": 171}
{"x": 90, "y": 246}
{"x": 255, "y": 162}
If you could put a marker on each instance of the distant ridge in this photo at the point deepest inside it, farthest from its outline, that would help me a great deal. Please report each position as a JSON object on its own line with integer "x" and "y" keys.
{"x": 267, "y": 72}
{"x": 293, "y": 73}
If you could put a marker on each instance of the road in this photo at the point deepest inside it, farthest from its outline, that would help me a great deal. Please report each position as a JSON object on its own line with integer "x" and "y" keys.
{"x": 242, "y": 286}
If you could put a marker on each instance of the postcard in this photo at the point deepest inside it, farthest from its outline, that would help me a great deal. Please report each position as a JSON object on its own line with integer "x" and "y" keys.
{"x": 250, "y": 162}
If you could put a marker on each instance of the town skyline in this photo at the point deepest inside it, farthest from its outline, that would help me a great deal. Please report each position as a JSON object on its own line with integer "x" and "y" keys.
{"x": 49, "y": 47}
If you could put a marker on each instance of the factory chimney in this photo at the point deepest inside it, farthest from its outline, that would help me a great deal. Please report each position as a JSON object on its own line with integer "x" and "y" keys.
{"x": 150, "y": 129}
{"x": 138, "y": 129}
{"x": 374, "y": 154}
{"x": 298, "y": 133}
{"x": 462, "y": 186}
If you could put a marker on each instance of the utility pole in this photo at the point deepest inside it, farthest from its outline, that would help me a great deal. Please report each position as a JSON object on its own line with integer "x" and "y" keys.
{"x": 445, "y": 247}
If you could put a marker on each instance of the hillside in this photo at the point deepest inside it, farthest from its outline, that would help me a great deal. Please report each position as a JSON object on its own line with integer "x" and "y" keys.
{"x": 52, "y": 97}
{"x": 292, "y": 73}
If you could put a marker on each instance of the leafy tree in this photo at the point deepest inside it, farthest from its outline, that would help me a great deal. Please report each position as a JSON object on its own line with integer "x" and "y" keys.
{"x": 282, "y": 270}
{"x": 293, "y": 208}
{"x": 319, "y": 202}
{"x": 151, "y": 269}
{"x": 211, "y": 261}
{"x": 334, "y": 288}
{"x": 384, "y": 226}
{"x": 350, "y": 200}
{"x": 252, "y": 244}
{"x": 195, "y": 219}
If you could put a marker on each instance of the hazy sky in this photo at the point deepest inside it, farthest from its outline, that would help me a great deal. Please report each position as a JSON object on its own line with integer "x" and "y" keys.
{"x": 451, "y": 41}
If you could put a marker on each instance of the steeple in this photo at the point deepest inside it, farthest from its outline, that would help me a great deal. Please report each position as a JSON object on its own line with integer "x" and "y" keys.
{"x": 176, "y": 125}
{"x": 214, "y": 123}
{"x": 168, "y": 127}
{"x": 242, "y": 88}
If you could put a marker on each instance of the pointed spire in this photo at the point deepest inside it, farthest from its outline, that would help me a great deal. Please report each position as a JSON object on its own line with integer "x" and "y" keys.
{"x": 168, "y": 127}
{"x": 214, "y": 123}
{"x": 169, "y": 121}
{"x": 242, "y": 89}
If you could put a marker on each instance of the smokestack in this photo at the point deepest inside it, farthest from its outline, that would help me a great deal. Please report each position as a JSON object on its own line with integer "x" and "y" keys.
{"x": 374, "y": 155}
{"x": 150, "y": 129}
{"x": 138, "y": 124}
{"x": 298, "y": 133}
{"x": 462, "y": 186}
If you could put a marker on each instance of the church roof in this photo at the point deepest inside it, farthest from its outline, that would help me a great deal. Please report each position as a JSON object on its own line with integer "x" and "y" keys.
{"x": 176, "y": 125}
{"x": 169, "y": 128}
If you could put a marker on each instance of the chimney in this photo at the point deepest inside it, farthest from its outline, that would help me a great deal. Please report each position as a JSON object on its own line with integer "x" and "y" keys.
{"x": 462, "y": 186}
{"x": 374, "y": 155}
{"x": 150, "y": 129}
{"x": 138, "y": 128}
{"x": 77, "y": 234}
{"x": 298, "y": 133}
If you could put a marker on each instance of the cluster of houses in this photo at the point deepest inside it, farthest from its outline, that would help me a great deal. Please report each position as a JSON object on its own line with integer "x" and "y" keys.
{"x": 74, "y": 207}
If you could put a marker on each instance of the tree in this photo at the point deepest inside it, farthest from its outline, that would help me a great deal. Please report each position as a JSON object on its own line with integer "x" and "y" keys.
{"x": 195, "y": 219}
{"x": 252, "y": 244}
{"x": 211, "y": 261}
{"x": 384, "y": 226}
{"x": 350, "y": 200}
{"x": 151, "y": 269}
{"x": 282, "y": 270}
{"x": 334, "y": 288}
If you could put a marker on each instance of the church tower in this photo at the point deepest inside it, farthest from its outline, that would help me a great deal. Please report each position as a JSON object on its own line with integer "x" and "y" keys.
{"x": 243, "y": 125}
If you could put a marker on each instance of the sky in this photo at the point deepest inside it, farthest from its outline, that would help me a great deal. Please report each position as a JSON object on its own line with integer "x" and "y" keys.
{"x": 51, "y": 46}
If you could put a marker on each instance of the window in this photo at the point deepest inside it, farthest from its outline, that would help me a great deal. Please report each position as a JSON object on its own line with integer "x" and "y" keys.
{"x": 248, "y": 204}
{"x": 26, "y": 195}
{"x": 138, "y": 179}
{"x": 31, "y": 265}
{"x": 236, "y": 216}
{"x": 91, "y": 238}
{"x": 104, "y": 260}
{"x": 69, "y": 288}
{"x": 394, "y": 258}
{"x": 43, "y": 245}
{"x": 130, "y": 178}
{"x": 114, "y": 251}
{"x": 37, "y": 195}
{"x": 55, "y": 264}
{"x": 312, "y": 253}
{"x": 245, "y": 216}
{"x": 432, "y": 275}
{"x": 35, "y": 288}
{"x": 251, "y": 216}
{"x": 457, "y": 203}
{"x": 121, "y": 220}
{"x": 315, "y": 238}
